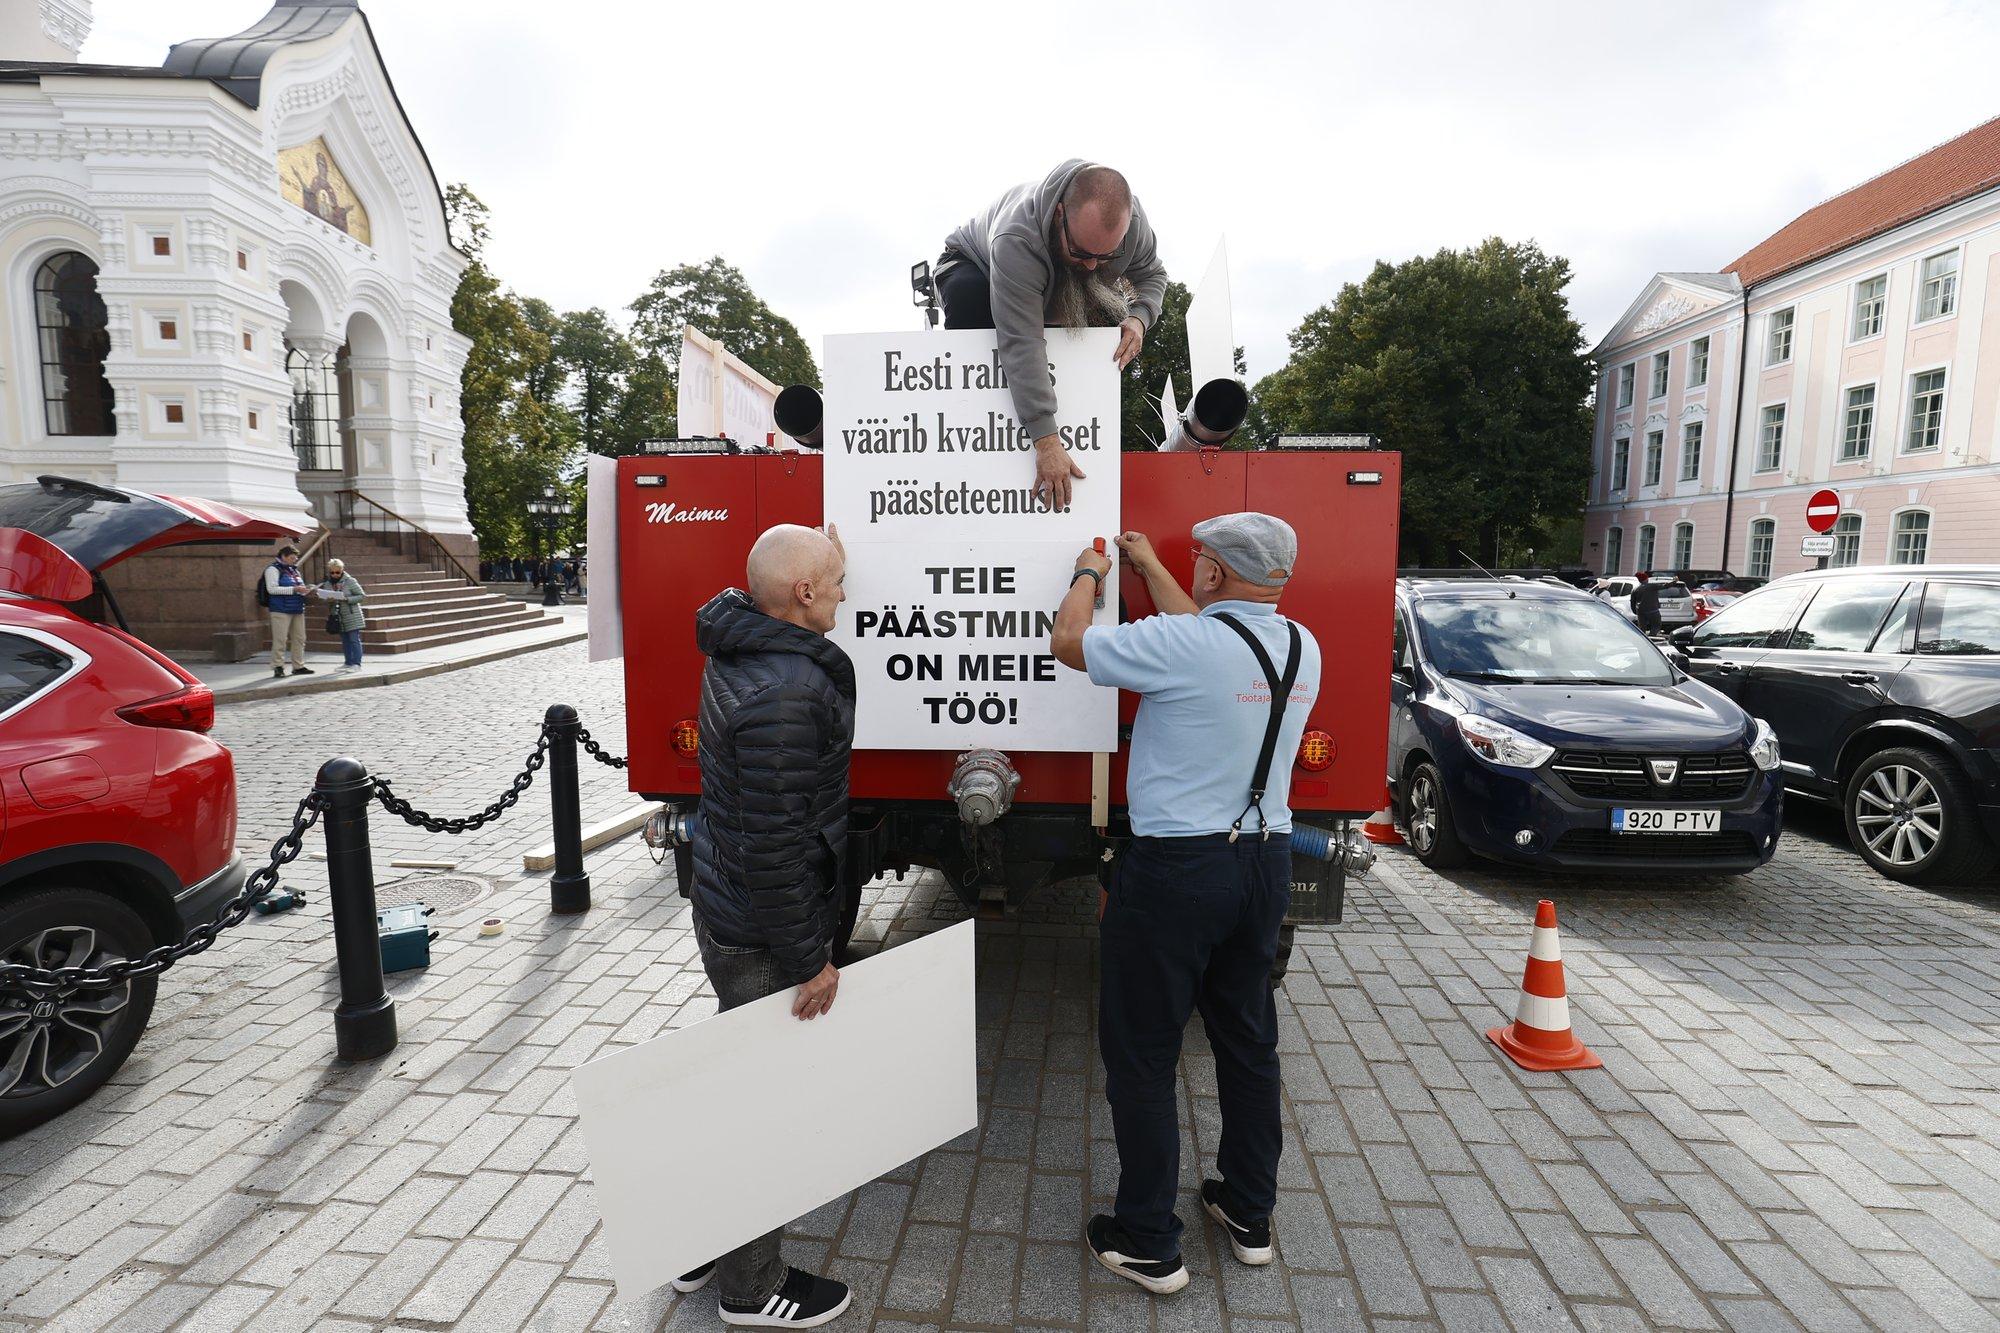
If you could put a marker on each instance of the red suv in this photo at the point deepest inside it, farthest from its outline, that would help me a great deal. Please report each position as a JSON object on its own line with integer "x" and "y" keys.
{"x": 117, "y": 812}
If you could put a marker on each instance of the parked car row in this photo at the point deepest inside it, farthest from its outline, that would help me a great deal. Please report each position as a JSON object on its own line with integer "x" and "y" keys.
{"x": 1537, "y": 726}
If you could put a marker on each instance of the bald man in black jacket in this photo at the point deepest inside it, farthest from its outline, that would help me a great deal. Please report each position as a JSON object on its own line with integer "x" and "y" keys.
{"x": 777, "y": 724}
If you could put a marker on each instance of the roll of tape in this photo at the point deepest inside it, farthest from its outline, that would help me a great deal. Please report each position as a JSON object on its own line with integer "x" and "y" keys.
{"x": 492, "y": 925}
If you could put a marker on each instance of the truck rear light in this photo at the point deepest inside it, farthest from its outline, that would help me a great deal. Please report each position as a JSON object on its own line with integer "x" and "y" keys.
{"x": 1316, "y": 751}
{"x": 191, "y": 708}
{"x": 687, "y": 737}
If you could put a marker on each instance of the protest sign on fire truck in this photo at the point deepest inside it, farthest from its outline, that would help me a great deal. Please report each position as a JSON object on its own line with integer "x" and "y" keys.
{"x": 955, "y": 565}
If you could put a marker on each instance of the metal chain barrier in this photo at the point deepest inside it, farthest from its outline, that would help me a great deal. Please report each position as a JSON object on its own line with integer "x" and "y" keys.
{"x": 258, "y": 885}
{"x": 403, "y": 810}
{"x": 598, "y": 752}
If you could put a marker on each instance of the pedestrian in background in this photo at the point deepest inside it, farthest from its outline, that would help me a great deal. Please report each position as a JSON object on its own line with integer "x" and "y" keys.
{"x": 346, "y": 594}
{"x": 1190, "y": 919}
{"x": 285, "y": 587}
{"x": 1646, "y": 603}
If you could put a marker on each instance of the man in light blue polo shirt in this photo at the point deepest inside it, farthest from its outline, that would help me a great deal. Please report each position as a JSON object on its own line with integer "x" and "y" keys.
{"x": 1196, "y": 900}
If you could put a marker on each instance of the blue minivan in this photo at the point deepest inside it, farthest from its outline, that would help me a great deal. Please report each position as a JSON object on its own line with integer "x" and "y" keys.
{"x": 1535, "y": 725}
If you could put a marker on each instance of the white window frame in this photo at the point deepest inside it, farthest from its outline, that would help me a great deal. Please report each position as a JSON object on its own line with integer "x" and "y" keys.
{"x": 1859, "y": 535}
{"x": 1771, "y": 331}
{"x": 1847, "y": 391}
{"x": 1763, "y": 423}
{"x": 1693, "y": 455}
{"x": 1917, "y": 316}
{"x": 1910, "y": 408}
{"x": 1895, "y": 526}
{"x": 1770, "y": 529}
{"x": 1614, "y": 550}
{"x": 1658, "y": 374}
{"x": 1854, "y": 335}
{"x": 1683, "y": 550}
{"x": 1647, "y": 547}
{"x": 1628, "y": 376}
{"x": 1621, "y": 468}
{"x": 1698, "y": 362}
{"x": 1653, "y": 462}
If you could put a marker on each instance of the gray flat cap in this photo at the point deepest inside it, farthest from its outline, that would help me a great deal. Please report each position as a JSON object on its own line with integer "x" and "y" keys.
{"x": 1257, "y": 548}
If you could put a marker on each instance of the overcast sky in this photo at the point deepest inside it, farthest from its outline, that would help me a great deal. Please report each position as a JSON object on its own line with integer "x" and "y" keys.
{"x": 822, "y": 152}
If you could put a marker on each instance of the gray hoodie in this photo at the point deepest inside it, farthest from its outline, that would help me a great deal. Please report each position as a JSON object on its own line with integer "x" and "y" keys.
{"x": 1008, "y": 241}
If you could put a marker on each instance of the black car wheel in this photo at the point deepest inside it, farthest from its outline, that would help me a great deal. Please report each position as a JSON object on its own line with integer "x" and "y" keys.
{"x": 1427, "y": 815}
{"x": 56, "y": 1050}
{"x": 1910, "y": 814}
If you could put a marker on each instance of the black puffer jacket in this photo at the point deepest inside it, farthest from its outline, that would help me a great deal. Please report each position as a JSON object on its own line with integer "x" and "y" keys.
{"x": 777, "y": 723}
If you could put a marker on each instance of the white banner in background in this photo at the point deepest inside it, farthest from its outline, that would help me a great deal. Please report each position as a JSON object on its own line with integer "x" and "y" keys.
{"x": 955, "y": 567}
{"x": 607, "y": 631}
{"x": 719, "y": 395}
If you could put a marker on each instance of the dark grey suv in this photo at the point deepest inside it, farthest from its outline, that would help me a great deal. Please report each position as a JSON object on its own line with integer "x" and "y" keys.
{"x": 1883, "y": 685}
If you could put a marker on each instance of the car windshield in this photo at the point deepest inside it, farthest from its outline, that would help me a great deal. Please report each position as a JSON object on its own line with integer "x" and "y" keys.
{"x": 1570, "y": 641}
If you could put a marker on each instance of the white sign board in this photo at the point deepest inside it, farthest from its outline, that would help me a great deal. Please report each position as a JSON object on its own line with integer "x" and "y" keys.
{"x": 705, "y": 1138}
{"x": 718, "y": 394}
{"x": 955, "y": 566}
{"x": 1816, "y": 546}
{"x": 607, "y": 631}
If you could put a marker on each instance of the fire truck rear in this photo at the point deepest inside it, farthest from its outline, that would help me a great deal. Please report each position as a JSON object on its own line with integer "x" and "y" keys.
{"x": 998, "y": 826}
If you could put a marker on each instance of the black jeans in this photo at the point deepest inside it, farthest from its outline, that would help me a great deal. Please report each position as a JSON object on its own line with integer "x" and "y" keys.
{"x": 749, "y": 1273}
{"x": 967, "y": 295}
{"x": 1192, "y": 923}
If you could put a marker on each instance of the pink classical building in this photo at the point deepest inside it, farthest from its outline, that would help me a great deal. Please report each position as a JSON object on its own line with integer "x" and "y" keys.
{"x": 1857, "y": 349}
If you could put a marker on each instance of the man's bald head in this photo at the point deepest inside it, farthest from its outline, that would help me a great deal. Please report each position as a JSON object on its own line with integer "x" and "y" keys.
{"x": 794, "y": 575}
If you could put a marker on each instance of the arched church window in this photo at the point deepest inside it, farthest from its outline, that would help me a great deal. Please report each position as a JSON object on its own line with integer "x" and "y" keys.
{"x": 70, "y": 328}
{"x": 315, "y": 412}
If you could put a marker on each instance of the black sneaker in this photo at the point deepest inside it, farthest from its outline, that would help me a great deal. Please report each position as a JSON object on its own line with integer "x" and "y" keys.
{"x": 1115, "y": 1250}
{"x": 278, "y": 672}
{"x": 695, "y": 1280}
{"x": 1250, "y": 1240}
{"x": 801, "y": 1301}
{"x": 302, "y": 671}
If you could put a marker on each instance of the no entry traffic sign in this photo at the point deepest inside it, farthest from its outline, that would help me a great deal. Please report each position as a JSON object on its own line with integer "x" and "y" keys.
{"x": 1822, "y": 511}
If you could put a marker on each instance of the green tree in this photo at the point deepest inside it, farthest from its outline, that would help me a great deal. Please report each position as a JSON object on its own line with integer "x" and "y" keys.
{"x": 1470, "y": 363}
{"x": 598, "y": 358}
{"x": 515, "y": 441}
{"x": 715, "y": 298}
{"x": 1164, "y": 354}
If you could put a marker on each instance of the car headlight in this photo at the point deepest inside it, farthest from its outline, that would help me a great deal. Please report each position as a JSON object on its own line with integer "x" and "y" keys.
{"x": 1498, "y": 743}
{"x": 1764, "y": 749}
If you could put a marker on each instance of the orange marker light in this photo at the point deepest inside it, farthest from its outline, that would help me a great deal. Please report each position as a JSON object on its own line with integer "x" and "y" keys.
{"x": 1316, "y": 751}
{"x": 687, "y": 736}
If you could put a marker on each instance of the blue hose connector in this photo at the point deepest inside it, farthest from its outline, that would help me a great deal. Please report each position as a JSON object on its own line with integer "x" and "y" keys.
{"x": 1315, "y": 843}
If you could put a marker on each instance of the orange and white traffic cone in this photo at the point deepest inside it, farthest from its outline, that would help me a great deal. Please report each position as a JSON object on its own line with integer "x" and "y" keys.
{"x": 1540, "y": 1037}
{"x": 1381, "y": 826}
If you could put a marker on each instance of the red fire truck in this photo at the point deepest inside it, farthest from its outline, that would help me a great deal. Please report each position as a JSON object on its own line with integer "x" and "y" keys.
{"x": 905, "y": 810}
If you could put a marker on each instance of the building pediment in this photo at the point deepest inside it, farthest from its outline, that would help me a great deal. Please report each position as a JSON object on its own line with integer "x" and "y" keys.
{"x": 1670, "y": 299}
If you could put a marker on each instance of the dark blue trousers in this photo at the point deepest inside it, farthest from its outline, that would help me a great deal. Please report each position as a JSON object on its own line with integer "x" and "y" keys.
{"x": 1192, "y": 923}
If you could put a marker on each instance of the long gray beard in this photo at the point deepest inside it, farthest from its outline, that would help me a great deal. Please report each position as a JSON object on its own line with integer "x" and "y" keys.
{"x": 1084, "y": 300}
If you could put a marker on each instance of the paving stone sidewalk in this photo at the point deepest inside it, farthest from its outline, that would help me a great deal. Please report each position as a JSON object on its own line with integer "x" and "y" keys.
{"x": 1796, "y": 1125}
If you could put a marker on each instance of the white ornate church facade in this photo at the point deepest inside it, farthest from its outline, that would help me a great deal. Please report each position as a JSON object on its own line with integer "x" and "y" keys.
{"x": 226, "y": 277}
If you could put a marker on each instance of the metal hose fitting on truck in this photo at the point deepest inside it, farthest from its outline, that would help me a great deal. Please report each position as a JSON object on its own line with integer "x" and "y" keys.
{"x": 800, "y": 413}
{"x": 1216, "y": 414}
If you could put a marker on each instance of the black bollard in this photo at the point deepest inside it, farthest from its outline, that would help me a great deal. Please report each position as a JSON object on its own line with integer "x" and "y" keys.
{"x": 364, "y": 1023}
{"x": 569, "y": 891}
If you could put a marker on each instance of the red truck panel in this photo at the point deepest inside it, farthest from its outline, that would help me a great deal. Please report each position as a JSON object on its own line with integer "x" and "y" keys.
{"x": 1343, "y": 592}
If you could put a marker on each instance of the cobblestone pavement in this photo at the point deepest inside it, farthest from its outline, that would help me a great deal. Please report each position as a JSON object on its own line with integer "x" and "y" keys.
{"x": 1795, "y": 1127}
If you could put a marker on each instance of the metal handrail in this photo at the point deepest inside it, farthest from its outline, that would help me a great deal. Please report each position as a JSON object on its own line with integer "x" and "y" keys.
{"x": 430, "y": 548}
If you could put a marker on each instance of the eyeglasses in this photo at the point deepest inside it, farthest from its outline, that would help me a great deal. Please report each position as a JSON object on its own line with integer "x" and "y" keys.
{"x": 1199, "y": 553}
{"x": 1076, "y": 250}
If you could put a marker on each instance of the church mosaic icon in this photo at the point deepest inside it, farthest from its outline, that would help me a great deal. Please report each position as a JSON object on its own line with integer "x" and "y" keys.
{"x": 311, "y": 179}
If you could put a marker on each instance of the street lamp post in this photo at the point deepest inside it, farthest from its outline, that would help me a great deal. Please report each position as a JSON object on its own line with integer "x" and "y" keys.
{"x": 550, "y": 510}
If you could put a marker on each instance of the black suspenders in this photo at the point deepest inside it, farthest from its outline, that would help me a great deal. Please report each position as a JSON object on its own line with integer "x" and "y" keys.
{"x": 1281, "y": 692}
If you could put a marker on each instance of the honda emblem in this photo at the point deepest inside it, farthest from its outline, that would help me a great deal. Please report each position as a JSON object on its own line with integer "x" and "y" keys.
{"x": 1664, "y": 771}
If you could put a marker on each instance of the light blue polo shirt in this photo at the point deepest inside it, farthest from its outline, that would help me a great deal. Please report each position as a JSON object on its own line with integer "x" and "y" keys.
{"x": 1202, "y": 712}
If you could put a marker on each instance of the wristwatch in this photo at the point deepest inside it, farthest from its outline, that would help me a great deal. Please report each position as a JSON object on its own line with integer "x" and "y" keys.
{"x": 1081, "y": 572}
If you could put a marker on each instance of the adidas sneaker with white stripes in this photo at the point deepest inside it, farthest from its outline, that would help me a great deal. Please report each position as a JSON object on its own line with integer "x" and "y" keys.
{"x": 801, "y": 1301}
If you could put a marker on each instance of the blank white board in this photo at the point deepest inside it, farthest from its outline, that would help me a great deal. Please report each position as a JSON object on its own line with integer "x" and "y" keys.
{"x": 707, "y": 1137}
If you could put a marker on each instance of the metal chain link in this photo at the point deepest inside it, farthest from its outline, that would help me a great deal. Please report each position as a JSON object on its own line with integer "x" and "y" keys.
{"x": 401, "y": 808}
{"x": 258, "y": 885}
{"x": 596, "y": 751}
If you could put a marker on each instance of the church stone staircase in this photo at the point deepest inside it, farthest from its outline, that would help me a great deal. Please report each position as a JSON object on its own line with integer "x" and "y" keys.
{"x": 410, "y": 603}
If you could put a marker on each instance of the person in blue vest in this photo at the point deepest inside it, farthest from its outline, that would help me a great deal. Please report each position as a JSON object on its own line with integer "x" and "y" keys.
{"x": 1191, "y": 914}
{"x": 287, "y": 590}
